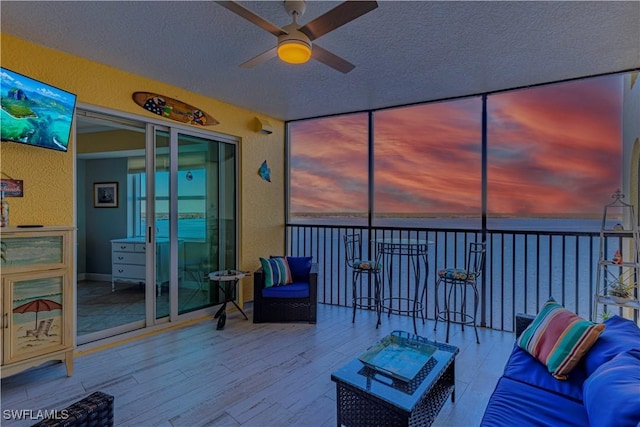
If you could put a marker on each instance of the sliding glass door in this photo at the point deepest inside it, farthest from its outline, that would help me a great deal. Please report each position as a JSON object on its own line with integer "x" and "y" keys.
{"x": 177, "y": 207}
{"x": 194, "y": 219}
{"x": 110, "y": 252}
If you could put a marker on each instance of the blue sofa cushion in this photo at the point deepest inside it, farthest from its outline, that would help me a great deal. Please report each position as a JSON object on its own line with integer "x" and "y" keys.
{"x": 525, "y": 368}
{"x": 516, "y": 404}
{"x": 619, "y": 336}
{"x": 294, "y": 290}
{"x": 300, "y": 267}
{"x": 612, "y": 392}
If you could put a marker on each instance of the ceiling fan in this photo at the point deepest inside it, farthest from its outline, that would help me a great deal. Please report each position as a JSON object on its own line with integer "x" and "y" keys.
{"x": 295, "y": 41}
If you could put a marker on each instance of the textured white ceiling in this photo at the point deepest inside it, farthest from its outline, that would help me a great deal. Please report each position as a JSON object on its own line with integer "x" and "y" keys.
{"x": 404, "y": 52}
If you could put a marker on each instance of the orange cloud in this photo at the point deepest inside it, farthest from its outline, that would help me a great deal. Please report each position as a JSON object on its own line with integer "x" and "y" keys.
{"x": 552, "y": 149}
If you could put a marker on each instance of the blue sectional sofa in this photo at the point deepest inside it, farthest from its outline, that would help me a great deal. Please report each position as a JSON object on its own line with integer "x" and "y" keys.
{"x": 603, "y": 390}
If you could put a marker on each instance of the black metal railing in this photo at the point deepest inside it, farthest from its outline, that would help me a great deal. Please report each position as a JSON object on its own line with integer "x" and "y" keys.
{"x": 523, "y": 268}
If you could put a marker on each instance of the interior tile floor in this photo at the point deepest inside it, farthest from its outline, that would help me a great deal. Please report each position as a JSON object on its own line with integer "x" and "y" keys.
{"x": 100, "y": 309}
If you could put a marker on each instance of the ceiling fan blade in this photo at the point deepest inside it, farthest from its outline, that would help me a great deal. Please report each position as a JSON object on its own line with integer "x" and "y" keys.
{"x": 334, "y": 61}
{"x": 337, "y": 17}
{"x": 264, "y": 56}
{"x": 252, "y": 17}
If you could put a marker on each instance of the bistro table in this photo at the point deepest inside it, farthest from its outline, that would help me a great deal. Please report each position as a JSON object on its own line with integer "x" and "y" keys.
{"x": 368, "y": 397}
{"x": 400, "y": 299}
{"x": 227, "y": 281}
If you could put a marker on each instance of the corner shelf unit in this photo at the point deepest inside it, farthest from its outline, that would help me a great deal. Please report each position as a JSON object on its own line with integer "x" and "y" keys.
{"x": 619, "y": 256}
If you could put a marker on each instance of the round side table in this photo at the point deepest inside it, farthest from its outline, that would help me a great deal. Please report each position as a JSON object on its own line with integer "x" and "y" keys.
{"x": 227, "y": 281}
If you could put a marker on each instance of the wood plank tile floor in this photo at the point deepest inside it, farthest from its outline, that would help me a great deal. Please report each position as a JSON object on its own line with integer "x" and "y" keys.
{"x": 248, "y": 374}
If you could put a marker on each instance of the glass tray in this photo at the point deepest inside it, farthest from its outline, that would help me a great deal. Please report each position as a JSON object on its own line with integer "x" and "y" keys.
{"x": 398, "y": 357}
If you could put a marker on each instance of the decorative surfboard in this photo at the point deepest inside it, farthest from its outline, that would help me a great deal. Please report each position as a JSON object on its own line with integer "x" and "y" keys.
{"x": 173, "y": 109}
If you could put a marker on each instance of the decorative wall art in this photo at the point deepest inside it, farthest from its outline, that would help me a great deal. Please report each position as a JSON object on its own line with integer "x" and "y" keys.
{"x": 105, "y": 195}
{"x": 173, "y": 109}
{"x": 265, "y": 172}
{"x": 12, "y": 187}
{"x": 35, "y": 113}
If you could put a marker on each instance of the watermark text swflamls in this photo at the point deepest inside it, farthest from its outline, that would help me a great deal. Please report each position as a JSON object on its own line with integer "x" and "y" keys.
{"x": 34, "y": 414}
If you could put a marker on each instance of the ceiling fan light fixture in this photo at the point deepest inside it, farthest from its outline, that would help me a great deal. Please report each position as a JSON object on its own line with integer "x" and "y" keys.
{"x": 294, "y": 51}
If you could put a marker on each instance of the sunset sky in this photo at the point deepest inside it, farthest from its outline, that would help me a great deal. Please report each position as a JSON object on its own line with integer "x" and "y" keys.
{"x": 553, "y": 149}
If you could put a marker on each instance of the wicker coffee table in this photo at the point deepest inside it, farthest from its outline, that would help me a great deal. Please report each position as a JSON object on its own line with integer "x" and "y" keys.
{"x": 367, "y": 397}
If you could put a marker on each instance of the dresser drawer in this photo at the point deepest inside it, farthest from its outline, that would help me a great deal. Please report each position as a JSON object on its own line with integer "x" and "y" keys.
{"x": 128, "y": 247}
{"x": 128, "y": 258}
{"x": 128, "y": 271}
{"x": 123, "y": 247}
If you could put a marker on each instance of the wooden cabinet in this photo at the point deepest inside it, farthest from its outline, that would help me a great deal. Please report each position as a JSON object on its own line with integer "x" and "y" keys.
{"x": 36, "y": 301}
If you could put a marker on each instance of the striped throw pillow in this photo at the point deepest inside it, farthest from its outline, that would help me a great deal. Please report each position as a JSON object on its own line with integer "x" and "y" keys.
{"x": 559, "y": 338}
{"x": 276, "y": 272}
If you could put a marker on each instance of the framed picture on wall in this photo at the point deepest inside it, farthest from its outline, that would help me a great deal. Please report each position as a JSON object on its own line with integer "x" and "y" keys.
{"x": 105, "y": 195}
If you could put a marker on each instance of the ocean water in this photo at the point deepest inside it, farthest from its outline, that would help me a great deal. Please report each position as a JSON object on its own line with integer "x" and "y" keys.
{"x": 188, "y": 229}
{"x": 50, "y": 129}
{"x": 195, "y": 228}
{"x": 528, "y": 260}
{"x": 588, "y": 225}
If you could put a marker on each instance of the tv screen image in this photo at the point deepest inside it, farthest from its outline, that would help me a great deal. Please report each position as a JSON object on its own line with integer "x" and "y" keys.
{"x": 34, "y": 112}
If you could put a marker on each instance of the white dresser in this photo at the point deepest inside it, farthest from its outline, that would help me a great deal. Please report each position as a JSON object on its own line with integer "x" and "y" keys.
{"x": 128, "y": 261}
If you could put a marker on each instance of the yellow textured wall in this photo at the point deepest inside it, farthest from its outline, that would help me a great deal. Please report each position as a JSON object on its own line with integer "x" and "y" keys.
{"x": 48, "y": 175}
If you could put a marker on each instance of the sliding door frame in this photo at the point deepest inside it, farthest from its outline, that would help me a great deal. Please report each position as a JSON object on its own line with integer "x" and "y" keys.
{"x": 152, "y": 126}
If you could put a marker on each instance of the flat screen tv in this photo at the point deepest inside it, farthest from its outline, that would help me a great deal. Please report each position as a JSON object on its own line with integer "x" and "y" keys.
{"x": 34, "y": 112}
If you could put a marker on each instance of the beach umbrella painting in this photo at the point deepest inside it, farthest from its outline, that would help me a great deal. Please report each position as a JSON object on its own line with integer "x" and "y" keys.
{"x": 37, "y": 306}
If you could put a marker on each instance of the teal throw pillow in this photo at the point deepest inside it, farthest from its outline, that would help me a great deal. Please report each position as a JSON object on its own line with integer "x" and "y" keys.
{"x": 276, "y": 272}
{"x": 559, "y": 338}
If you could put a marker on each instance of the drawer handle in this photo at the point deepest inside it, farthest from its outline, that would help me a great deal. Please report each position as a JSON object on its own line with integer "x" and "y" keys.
{"x": 6, "y": 320}
{"x": 120, "y": 257}
{"x": 120, "y": 270}
{"x": 123, "y": 247}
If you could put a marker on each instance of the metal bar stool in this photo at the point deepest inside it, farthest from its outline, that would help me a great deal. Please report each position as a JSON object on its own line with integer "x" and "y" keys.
{"x": 359, "y": 266}
{"x": 454, "y": 278}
